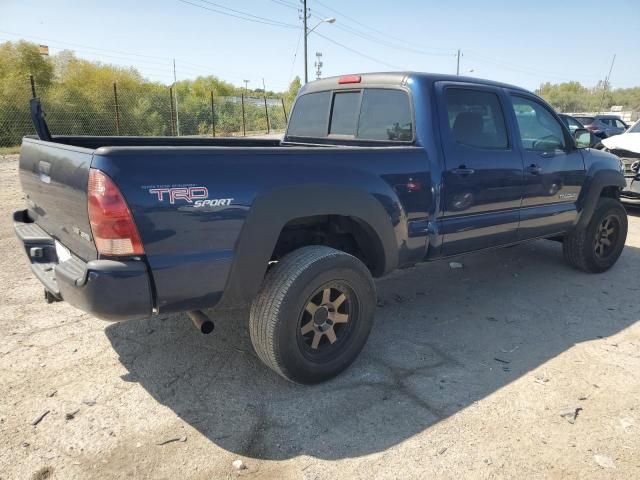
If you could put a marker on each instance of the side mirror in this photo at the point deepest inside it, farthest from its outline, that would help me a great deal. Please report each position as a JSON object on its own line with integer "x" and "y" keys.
{"x": 582, "y": 137}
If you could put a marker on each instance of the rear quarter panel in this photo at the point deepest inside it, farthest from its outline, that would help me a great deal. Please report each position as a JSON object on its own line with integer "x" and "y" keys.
{"x": 191, "y": 250}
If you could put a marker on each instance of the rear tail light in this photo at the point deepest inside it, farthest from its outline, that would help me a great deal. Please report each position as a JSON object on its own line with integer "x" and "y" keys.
{"x": 114, "y": 230}
{"x": 349, "y": 79}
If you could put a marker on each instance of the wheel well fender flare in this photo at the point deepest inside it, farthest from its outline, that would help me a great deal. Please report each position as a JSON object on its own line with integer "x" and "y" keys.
{"x": 271, "y": 211}
{"x": 597, "y": 180}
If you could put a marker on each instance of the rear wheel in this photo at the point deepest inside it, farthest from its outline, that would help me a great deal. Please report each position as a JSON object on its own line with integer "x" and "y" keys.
{"x": 313, "y": 314}
{"x": 597, "y": 247}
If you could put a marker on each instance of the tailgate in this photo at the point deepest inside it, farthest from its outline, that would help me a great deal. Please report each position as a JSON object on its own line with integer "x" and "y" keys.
{"x": 54, "y": 180}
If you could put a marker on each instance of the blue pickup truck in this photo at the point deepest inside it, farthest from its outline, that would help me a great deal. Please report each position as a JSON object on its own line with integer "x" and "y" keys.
{"x": 375, "y": 172}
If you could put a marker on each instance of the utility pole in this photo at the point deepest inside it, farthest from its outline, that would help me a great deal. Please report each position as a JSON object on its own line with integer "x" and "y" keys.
{"x": 606, "y": 84}
{"x": 246, "y": 82}
{"x": 318, "y": 65}
{"x": 458, "y": 65}
{"x": 304, "y": 22}
{"x": 175, "y": 80}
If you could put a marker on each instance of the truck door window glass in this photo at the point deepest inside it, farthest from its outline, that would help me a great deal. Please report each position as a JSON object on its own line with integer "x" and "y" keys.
{"x": 539, "y": 130}
{"x": 344, "y": 114}
{"x": 475, "y": 118}
{"x": 620, "y": 123}
{"x": 310, "y": 115}
{"x": 385, "y": 115}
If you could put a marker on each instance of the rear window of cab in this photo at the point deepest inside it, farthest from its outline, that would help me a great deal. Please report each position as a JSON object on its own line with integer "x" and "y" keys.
{"x": 376, "y": 114}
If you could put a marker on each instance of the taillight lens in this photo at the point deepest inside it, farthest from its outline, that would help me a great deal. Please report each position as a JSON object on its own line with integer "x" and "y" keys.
{"x": 114, "y": 230}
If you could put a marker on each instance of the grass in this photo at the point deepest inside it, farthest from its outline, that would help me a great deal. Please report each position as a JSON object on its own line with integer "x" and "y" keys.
{"x": 9, "y": 150}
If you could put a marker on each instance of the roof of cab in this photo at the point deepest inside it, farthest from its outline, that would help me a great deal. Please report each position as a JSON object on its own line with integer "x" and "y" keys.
{"x": 395, "y": 78}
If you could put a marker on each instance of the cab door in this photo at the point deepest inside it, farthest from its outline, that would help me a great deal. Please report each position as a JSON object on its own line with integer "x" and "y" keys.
{"x": 483, "y": 174}
{"x": 554, "y": 170}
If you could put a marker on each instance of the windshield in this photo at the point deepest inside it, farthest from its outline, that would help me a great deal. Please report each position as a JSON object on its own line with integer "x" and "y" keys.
{"x": 585, "y": 120}
{"x": 635, "y": 128}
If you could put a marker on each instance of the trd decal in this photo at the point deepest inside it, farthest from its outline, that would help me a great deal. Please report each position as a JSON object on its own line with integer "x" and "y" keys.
{"x": 188, "y": 194}
{"x": 191, "y": 195}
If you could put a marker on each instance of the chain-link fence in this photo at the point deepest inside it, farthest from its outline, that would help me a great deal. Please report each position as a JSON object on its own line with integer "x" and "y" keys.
{"x": 147, "y": 109}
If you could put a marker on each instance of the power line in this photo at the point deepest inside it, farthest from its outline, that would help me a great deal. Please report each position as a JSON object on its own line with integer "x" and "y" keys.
{"x": 352, "y": 50}
{"x": 380, "y": 32}
{"x": 247, "y": 16}
{"x": 139, "y": 64}
{"x": 295, "y": 55}
{"x": 365, "y": 36}
{"x": 85, "y": 46}
{"x": 522, "y": 69}
{"x": 284, "y": 4}
{"x": 245, "y": 13}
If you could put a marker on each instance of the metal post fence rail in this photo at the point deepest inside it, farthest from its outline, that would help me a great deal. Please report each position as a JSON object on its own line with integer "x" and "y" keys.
{"x": 115, "y": 99}
{"x": 244, "y": 120}
{"x": 173, "y": 128}
{"x": 266, "y": 113}
{"x": 146, "y": 109}
{"x": 213, "y": 116}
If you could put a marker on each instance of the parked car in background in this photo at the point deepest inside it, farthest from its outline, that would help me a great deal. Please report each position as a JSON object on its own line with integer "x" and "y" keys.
{"x": 627, "y": 148}
{"x": 573, "y": 125}
{"x": 603, "y": 126}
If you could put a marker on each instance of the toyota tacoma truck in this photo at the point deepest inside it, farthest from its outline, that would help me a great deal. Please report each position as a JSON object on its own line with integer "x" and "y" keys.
{"x": 375, "y": 172}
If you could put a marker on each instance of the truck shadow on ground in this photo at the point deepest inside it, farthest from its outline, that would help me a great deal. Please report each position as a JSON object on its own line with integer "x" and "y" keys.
{"x": 444, "y": 338}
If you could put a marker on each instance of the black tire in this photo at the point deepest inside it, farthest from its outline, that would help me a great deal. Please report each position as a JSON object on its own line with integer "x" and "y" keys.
{"x": 286, "y": 315}
{"x": 584, "y": 248}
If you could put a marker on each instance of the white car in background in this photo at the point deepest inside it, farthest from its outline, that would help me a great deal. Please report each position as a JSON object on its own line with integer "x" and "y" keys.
{"x": 627, "y": 147}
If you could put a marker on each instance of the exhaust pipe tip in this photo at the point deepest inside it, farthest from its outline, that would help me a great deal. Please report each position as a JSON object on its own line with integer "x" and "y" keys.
{"x": 201, "y": 321}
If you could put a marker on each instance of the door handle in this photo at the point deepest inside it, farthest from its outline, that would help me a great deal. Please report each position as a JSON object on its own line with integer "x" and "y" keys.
{"x": 534, "y": 169}
{"x": 463, "y": 171}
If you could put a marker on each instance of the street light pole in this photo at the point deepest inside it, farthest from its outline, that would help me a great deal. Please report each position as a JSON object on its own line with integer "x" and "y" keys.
{"x": 306, "y": 34}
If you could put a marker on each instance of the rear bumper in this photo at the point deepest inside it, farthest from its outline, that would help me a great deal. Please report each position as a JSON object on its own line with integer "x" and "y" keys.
{"x": 110, "y": 289}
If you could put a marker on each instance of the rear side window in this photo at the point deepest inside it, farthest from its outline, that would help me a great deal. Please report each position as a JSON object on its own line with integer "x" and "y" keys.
{"x": 310, "y": 116}
{"x": 369, "y": 114}
{"x": 476, "y": 118}
{"x": 344, "y": 115}
{"x": 385, "y": 115}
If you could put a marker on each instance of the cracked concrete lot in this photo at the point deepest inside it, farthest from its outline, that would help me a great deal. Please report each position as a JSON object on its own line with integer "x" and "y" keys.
{"x": 514, "y": 366}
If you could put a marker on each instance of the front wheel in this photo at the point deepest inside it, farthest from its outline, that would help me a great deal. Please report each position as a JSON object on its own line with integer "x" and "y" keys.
{"x": 597, "y": 247}
{"x": 313, "y": 314}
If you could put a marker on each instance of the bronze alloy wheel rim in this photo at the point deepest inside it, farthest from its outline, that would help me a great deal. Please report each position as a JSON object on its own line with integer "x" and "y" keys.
{"x": 607, "y": 236}
{"x": 327, "y": 321}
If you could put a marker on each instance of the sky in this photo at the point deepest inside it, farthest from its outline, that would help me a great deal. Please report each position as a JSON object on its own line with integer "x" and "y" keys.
{"x": 522, "y": 43}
